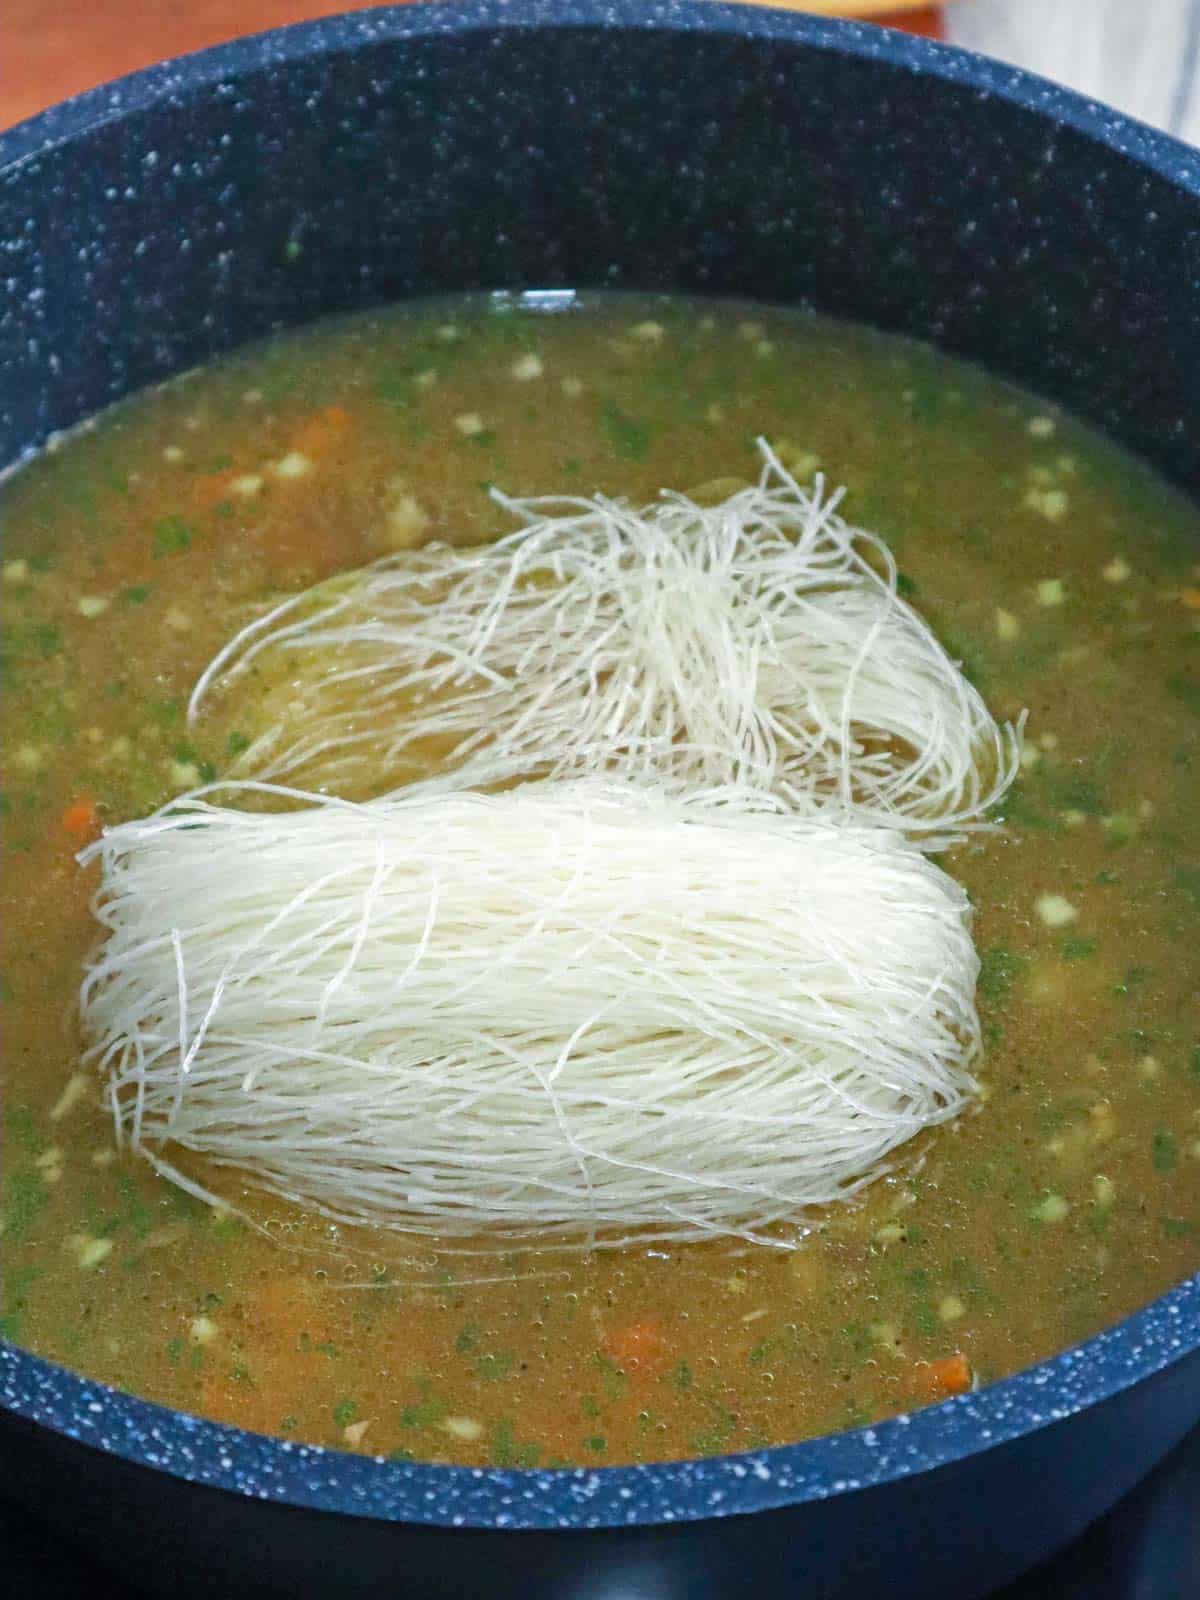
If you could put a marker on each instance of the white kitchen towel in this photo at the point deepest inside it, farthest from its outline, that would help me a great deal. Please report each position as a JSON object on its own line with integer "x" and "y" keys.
{"x": 1142, "y": 56}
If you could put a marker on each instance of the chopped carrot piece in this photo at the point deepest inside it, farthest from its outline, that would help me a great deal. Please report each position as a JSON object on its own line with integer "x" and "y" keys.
{"x": 81, "y": 820}
{"x": 207, "y": 488}
{"x": 938, "y": 1380}
{"x": 639, "y": 1346}
{"x": 322, "y": 432}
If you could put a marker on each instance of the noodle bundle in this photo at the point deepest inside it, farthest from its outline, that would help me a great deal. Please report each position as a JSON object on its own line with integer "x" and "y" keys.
{"x": 566, "y": 1010}
{"x": 760, "y": 642}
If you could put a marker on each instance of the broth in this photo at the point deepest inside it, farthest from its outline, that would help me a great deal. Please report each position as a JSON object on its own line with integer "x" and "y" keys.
{"x": 1060, "y": 571}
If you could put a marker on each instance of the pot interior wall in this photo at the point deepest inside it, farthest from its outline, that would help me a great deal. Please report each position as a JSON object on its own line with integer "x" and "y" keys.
{"x": 682, "y": 157}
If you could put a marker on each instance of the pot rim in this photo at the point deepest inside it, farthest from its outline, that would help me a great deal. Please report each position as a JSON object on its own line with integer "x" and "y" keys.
{"x": 335, "y": 1481}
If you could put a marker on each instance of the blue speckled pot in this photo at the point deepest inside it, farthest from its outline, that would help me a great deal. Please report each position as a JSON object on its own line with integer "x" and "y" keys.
{"x": 156, "y": 222}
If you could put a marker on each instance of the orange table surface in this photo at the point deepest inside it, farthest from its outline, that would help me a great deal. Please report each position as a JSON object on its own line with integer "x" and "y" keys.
{"x": 57, "y": 48}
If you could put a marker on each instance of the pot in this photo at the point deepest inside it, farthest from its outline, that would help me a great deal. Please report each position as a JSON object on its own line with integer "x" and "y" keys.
{"x": 161, "y": 220}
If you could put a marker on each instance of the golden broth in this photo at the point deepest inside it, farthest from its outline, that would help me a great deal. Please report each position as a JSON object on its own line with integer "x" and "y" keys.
{"x": 1060, "y": 571}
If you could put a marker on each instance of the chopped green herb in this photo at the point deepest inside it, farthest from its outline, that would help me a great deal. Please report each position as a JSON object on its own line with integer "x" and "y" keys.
{"x": 165, "y": 712}
{"x": 925, "y": 1319}
{"x": 496, "y": 1364}
{"x": 850, "y": 1345}
{"x": 17, "y": 1283}
{"x": 1134, "y": 978}
{"x": 47, "y": 638}
{"x": 25, "y": 1197}
{"x": 999, "y": 969}
{"x": 976, "y": 667}
{"x": 506, "y": 1452}
{"x": 503, "y": 1444}
{"x": 136, "y": 1215}
{"x": 185, "y": 754}
{"x": 1075, "y": 947}
{"x": 21, "y": 1125}
{"x": 1073, "y": 792}
{"x": 136, "y": 594}
{"x": 612, "y": 1377}
{"x": 344, "y": 1413}
{"x": 1186, "y": 689}
{"x": 717, "y": 1435}
{"x": 186, "y": 1205}
{"x": 628, "y": 437}
{"x": 171, "y": 535}
{"x": 1017, "y": 808}
{"x": 425, "y": 1414}
{"x": 1165, "y": 1151}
